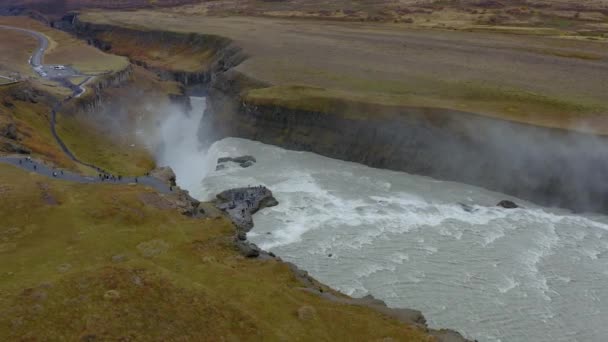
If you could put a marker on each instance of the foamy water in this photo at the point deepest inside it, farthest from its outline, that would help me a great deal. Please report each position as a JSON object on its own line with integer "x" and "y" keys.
{"x": 532, "y": 274}
{"x": 494, "y": 274}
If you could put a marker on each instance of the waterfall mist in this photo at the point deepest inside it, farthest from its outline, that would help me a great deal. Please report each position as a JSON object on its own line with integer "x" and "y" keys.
{"x": 173, "y": 136}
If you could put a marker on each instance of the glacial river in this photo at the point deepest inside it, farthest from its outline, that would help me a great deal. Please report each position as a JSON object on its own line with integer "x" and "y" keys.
{"x": 531, "y": 274}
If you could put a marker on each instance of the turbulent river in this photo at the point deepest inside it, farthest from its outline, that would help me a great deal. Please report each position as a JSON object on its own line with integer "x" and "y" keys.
{"x": 532, "y": 274}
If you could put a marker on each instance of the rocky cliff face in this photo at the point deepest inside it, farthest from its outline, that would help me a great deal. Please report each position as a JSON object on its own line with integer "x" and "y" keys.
{"x": 91, "y": 100}
{"x": 215, "y": 54}
{"x": 547, "y": 166}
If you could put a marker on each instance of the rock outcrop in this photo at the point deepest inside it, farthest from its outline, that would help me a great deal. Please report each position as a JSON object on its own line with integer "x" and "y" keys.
{"x": 165, "y": 174}
{"x": 240, "y": 204}
{"x": 507, "y": 204}
{"x": 242, "y": 161}
{"x": 92, "y": 100}
{"x": 221, "y": 53}
{"x": 551, "y": 167}
{"x": 186, "y": 205}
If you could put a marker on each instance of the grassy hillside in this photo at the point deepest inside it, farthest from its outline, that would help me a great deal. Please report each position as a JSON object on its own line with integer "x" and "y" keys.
{"x": 119, "y": 262}
{"x": 106, "y": 137}
{"x": 27, "y": 109}
{"x": 16, "y": 50}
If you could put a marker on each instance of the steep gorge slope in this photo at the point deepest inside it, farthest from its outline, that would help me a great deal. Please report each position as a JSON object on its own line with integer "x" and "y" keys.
{"x": 108, "y": 261}
{"x": 102, "y": 261}
{"x": 531, "y": 142}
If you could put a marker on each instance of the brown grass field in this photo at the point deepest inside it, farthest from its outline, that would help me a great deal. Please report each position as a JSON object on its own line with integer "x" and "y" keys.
{"x": 32, "y": 124}
{"x": 15, "y": 50}
{"x": 539, "y": 79}
{"x": 522, "y": 16}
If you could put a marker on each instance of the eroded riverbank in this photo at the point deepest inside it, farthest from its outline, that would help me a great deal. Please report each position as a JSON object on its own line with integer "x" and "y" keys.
{"x": 523, "y": 138}
{"x": 407, "y": 240}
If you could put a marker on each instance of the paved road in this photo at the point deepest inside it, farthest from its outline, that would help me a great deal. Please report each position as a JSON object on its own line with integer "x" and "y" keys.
{"x": 47, "y": 71}
{"x": 32, "y": 165}
{"x": 62, "y": 76}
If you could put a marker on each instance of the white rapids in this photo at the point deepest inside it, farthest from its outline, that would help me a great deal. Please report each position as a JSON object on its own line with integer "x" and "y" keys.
{"x": 533, "y": 274}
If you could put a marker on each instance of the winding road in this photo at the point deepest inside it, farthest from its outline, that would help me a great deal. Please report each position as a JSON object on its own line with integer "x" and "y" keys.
{"x": 62, "y": 77}
{"x": 40, "y": 168}
{"x": 47, "y": 71}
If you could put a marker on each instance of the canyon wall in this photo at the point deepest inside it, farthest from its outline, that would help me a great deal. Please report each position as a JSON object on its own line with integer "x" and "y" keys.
{"x": 548, "y": 166}
{"x": 198, "y": 56}
{"x": 91, "y": 100}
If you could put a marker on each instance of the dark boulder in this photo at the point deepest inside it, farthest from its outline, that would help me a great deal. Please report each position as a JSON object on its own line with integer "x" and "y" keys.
{"x": 507, "y": 204}
{"x": 243, "y": 161}
{"x": 467, "y": 207}
{"x": 240, "y": 204}
{"x": 246, "y": 164}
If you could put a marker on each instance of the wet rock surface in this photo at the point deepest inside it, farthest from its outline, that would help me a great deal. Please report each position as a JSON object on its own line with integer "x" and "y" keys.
{"x": 240, "y": 204}
{"x": 467, "y": 207}
{"x": 507, "y": 204}
{"x": 242, "y": 161}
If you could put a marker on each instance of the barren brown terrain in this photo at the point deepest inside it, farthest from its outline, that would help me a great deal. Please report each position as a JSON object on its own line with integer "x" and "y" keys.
{"x": 538, "y": 79}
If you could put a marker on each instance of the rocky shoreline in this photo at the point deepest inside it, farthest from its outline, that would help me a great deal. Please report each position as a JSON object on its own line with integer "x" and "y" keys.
{"x": 239, "y": 204}
{"x": 551, "y": 167}
{"x": 548, "y": 166}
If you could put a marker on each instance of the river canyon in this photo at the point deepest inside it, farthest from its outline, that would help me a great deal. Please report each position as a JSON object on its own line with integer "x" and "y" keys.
{"x": 442, "y": 247}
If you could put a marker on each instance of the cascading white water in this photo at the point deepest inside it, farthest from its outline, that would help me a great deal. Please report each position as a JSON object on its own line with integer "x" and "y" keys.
{"x": 531, "y": 274}
{"x": 175, "y": 141}
{"x": 494, "y": 274}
